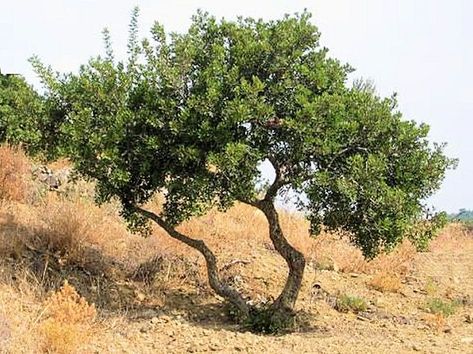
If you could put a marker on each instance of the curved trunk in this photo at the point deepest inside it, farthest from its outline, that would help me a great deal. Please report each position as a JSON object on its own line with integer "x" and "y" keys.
{"x": 222, "y": 289}
{"x": 295, "y": 260}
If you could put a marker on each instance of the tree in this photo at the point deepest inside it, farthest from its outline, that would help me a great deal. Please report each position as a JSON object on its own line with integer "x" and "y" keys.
{"x": 20, "y": 111}
{"x": 193, "y": 116}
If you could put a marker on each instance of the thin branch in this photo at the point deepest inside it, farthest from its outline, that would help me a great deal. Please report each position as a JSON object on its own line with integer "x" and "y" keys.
{"x": 278, "y": 181}
{"x": 234, "y": 262}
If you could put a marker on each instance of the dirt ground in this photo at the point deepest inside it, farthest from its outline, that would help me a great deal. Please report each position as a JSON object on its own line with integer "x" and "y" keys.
{"x": 188, "y": 319}
{"x": 399, "y": 324}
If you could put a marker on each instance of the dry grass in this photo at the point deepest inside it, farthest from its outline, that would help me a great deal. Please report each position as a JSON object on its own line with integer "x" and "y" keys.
{"x": 67, "y": 227}
{"x": 14, "y": 168}
{"x": 69, "y": 321}
{"x": 386, "y": 282}
{"x": 452, "y": 238}
{"x": 435, "y": 321}
{"x": 19, "y": 307}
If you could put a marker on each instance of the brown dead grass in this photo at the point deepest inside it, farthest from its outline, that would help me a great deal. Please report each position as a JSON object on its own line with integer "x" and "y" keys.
{"x": 14, "y": 168}
{"x": 386, "y": 282}
{"x": 68, "y": 323}
{"x": 453, "y": 237}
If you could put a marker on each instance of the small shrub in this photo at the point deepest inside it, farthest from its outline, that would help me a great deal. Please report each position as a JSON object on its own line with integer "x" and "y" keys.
{"x": 67, "y": 229}
{"x": 69, "y": 321}
{"x": 346, "y": 303}
{"x": 435, "y": 321}
{"x": 439, "y": 306}
{"x": 385, "y": 282}
{"x": 430, "y": 287}
{"x": 263, "y": 319}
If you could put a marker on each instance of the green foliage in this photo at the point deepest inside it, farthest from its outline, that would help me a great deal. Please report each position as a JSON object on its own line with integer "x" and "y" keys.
{"x": 265, "y": 320}
{"x": 347, "y": 303}
{"x": 439, "y": 306}
{"x": 21, "y": 111}
{"x": 194, "y": 115}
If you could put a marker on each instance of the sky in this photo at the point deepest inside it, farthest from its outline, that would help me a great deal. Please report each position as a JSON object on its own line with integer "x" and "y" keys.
{"x": 420, "y": 49}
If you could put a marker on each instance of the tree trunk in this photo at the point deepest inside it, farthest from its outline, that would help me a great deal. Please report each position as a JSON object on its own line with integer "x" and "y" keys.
{"x": 222, "y": 289}
{"x": 295, "y": 260}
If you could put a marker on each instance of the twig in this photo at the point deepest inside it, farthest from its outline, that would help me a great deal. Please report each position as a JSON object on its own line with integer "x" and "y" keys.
{"x": 232, "y": 263}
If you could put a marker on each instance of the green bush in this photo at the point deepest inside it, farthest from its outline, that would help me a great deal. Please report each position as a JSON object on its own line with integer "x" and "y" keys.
{"x": 347, "y": 303}
{"x": 439, "y": 306}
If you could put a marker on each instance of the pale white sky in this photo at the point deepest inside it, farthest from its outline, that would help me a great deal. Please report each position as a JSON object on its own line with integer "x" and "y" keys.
{"x": 421, "y": 49}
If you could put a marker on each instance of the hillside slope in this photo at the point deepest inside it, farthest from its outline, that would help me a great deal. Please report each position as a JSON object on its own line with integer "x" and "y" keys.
{"x": 151, "y": 294}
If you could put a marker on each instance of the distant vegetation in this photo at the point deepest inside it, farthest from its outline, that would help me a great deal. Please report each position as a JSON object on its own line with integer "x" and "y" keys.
{"x": 462, "y": 215}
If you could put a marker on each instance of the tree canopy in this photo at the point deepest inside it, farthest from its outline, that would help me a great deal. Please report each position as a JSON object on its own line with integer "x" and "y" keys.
{"x": 20, "y": 112}
{"x": 194, "y": 115}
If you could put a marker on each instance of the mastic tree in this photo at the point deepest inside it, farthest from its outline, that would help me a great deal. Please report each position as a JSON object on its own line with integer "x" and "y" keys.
{"x": 193, "y": 116}
{"x": 21, "y": 109}
{"x": 28, "y": 119}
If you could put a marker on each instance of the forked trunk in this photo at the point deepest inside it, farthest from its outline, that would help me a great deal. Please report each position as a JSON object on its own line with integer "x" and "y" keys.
{"x": 283, "y": 307}
{"x": 295, "y": 260}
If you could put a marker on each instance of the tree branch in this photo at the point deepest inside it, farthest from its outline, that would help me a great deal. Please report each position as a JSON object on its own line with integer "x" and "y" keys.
{"x": 216, "y": 284}
{"x": 277, "y": 183}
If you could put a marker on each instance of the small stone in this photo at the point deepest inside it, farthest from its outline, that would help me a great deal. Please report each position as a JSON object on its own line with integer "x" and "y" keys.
{"x": 214, "y": 347}
{"x": 469, "y": 318}
{"x": 145, "y": 328}
{"x": 416, "y": 348}
{"x": 354, "y": 275}
{"x": 362, "y": 318}
{"x": 467, "y": 340}
{"x": 155, "y": 320}
{"x": 140, "y": 296}
{"x": 447, "y": 330}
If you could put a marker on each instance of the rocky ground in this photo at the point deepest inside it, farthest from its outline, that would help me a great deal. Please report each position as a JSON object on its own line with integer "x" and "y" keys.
{"x": 398, "y": 322}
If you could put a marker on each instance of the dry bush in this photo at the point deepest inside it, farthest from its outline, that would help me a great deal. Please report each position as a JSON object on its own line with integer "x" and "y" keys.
{"x": 332, "y": 252}
{"x": 399, "y": 261}
{"x": 453, "y": 238}
{"x": 67, "y": 228}
{"x": 385, "y": 282}
{"x": 435, "y": 321}
{"x": 14, "y": 168}
{"x": 69, "y": 321}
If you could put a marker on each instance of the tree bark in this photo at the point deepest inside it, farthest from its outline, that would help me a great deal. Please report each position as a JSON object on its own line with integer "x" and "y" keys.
{"x": 222, "y": 289}
{"x": 295, "y": 260}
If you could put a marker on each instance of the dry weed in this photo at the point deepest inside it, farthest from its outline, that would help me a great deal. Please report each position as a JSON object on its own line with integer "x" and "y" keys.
{"x": 453, "y": 238}
{"x": 385, "y": 282}
{"x": 329, "y": 251}
{"x": 67, "y": 227}
{"x": 69, "y": 321}
{"x": 397, "y": 262}
{"x": 14, "y": 167}
{"x": 435, "y": 321}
